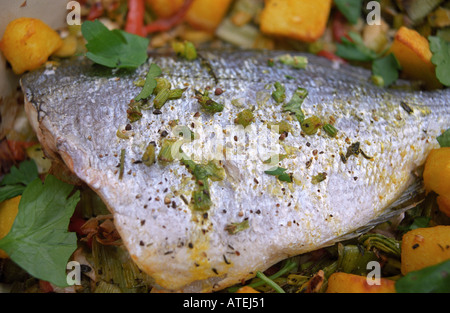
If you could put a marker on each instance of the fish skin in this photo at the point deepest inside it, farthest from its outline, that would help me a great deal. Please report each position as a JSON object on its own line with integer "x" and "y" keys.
{"x": 76, "y": 110}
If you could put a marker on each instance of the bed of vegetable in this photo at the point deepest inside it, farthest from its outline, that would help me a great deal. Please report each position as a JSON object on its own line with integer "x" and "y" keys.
{"x": 412, "y": 42}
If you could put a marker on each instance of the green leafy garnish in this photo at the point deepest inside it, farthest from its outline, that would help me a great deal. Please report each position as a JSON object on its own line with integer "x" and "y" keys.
{"x": 441, "y": 58}
{"x": 39, "y": 241}
{"x": 279, "y": 172}
{"x": 387, "y": 68}
{"x": 14, "y": 183}
{"x": 150, "y": 82}
{"x": 444, "y": 139}
{"x": 234, "y": 228}
{"x": 432, "y": 279}
{"x": 295, "y": 104}
{"x": 296, "y": 61}
{"x": 113, "y": 48}
{"x": 354, "y": 49}
{"x": 207, "y": 104}
{"x": 279, "y": 93}
{"x": 185, "y": 49}
{"x": 351, "y": 9}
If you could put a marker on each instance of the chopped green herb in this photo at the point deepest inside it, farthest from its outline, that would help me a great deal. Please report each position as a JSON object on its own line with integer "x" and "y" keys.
{"x": 279, "y": 172}
{"x": 279, "y": 94}
{"x": 244, "y": 118}
{"x": 113, "y": 48}
{"x": 441, "y": 58}
{"x": 176, "y": 93}
{"x": 330, "y": 130}
{"x": 280, "y": 127}
{"x": 161, "y": 83}
{"x": 319, "y": 178}
{"x": 353, "y": 149}
{"x": 166, "y": 153}
{"x": 444, "y": 139}
{"x": 161, "y": 98}
{"x": 351, "y": 9}
{"x": 122, "y": 163}
{"x": 39, "y": 241}
{"x": 150, "y": 82}
{"x": 269, "y": 282}
{"x": 311, "y": 125}
{"x": 295, "y": 104}
{"x": 14, "y": 183}
{"x": 234, "y": 228}
{"x": 387, "y": 68}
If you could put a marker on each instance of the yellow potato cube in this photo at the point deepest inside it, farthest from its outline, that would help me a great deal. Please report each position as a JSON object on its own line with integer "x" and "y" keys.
{"x": 303, "y": 20}
{"x": 27, "y": 43}
{"x": 423, "y": 247}
{"x": 8, "y": 213}
{"x": 412, "y": 50}
{"x": 207, "y": 14}
{"x": 350, "y": 283}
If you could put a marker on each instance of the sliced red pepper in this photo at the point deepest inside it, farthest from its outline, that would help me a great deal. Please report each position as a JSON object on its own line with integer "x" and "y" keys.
{"x": 338, "y": 27}
{"x": 331, "y": 56}
{"x": 166, "y": 24}
{"x": 96, "y": 11}
{"x": 135, "y": 17}
{"x": 45, "y": 286}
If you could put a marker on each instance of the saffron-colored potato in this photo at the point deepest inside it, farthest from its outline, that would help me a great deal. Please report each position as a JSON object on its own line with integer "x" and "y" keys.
{"x": 27, "y": 43}
{"x": 436, "y": 176}
{"x": 8, "y": 213}
{"x": 423, "y": 247}
{"x": 202, "y": 14}
{"x": 350, "y": 283}
{"x": 303, "y": 20}
{"x": 247, "y": 289}
{"x": 412, "y": 50}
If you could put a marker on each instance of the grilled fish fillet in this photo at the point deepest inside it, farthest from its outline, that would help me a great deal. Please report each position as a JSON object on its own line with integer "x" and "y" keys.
{"x": 77, "y": 109}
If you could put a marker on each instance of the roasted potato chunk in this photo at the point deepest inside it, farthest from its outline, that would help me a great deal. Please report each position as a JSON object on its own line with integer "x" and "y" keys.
{"x": 350, "y": 283}
{"x": 27, "y": 44}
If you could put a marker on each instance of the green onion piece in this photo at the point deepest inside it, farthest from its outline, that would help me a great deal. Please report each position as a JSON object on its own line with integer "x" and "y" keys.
{"x": 279, "y": 94}
{"x": 149, "y": 156}
{"x": 161, "y": 98}
{"x": 298, "y": 62}
{"x": 176, "y": 93}
{"x": 311, "y": 125}
{"x": 122, "y": 163}
{"x": 244, "y": 118}
{"x": 207, "y": 103}
{"x": 270, "y": 282}
{"x": 377, "y": 80}
{"x": 279, "y": 172}
{"x": 234, "y": 228}
{"x": 330, "y": 130}
{"x": 202, "y": 200}
{"x": 382, "y": 243}
{"x": 134, "y": 111}
{"x": 185, "y": 49}
{"x": 161, "y": 83}
{"x": 165, "y": 155}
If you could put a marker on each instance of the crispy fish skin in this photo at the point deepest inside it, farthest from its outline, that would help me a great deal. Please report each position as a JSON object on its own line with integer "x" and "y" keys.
{"x": 76, "y": 109}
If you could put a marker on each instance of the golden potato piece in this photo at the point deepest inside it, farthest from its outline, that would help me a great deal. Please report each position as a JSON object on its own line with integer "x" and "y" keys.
{"x": 165, "y": 8}
{"x": 423, "y": 247}
{"x": 349, "y": 283}
{"x": 8, "y": 213}
{"x": 412, "y": 50}
{"x": 27, "y": 44}
{"x": 303, "y": 20}
{"x": 247, "y": 289}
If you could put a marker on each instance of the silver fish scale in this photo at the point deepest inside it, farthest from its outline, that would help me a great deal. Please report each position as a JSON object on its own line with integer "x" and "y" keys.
{"x": 78, "y": 108}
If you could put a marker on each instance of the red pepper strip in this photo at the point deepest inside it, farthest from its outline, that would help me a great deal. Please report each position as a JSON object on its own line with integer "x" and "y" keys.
{"x": 135, "y": 17}
{"x": 338, "y": 27}
{"x": 161, "y": 25}
{"x": 45, "y": 286}
{"x": 96, "y": 11}
{"x": 331, "y": 56}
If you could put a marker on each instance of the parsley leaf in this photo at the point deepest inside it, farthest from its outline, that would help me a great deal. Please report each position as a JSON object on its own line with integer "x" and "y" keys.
{"x": 40, "y": 230}
{"x": 351, "y": 9}
{"x": 14, "y": 183}
{"x": 441, "y": 58}
{"x": 388, "y": 68}
{"x": 354, "y": 49}
{"x": 444, "y": 139}
{"x": 150, "y": 82}
{"x": 431, "y": 279}
{"x": 113, "y": 48}
{"x": 295, "y": 104}
{"x": 279, "y": 172}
